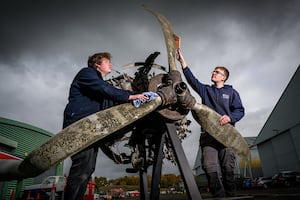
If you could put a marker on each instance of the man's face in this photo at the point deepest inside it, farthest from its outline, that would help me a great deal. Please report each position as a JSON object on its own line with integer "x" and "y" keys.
{"x": 218, "y": 75}
{"x": 105, "y": 67}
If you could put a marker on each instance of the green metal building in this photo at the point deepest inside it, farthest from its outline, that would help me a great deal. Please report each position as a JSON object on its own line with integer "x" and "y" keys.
{"x": 17, "y": 140}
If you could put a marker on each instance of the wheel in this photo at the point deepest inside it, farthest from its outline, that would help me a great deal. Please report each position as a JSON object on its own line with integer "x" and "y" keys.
{"x": 287, "y": 183}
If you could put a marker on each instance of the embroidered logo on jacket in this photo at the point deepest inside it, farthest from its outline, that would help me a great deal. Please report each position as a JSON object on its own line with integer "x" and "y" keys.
{"x": 225, "y": 96}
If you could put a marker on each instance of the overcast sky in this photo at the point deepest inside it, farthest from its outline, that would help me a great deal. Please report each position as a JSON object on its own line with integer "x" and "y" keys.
{"x": 43, "y": 45}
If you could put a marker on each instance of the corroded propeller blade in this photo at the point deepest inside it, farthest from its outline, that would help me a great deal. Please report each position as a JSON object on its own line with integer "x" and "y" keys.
{"x": 169, "y": 37}
{"x": 76, "y": 137}
{"x": 226, "y": 134}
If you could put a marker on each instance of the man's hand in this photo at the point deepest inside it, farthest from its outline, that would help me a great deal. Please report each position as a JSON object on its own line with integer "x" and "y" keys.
{"x": 180, "y": 58}
{"x": 224, "y": 120}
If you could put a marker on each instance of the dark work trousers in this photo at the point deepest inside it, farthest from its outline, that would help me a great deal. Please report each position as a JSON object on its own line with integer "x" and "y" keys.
{"x": 83, "y": 166}
{"x": 219, "y": 168}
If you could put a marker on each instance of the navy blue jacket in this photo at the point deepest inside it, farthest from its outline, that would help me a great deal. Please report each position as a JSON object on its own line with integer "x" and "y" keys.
{"x": 225, "y": 101}
{"x": 89, "y": 93}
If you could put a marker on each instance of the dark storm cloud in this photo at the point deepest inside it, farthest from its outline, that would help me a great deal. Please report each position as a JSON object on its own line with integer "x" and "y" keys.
{"x": 44, "y": 43}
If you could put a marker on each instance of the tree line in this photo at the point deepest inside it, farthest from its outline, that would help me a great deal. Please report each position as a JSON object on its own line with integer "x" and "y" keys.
{"x": 132, "y": 182}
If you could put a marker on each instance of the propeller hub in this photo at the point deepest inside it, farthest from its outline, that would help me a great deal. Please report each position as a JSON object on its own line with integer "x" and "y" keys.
{"x": 171, "y": 111}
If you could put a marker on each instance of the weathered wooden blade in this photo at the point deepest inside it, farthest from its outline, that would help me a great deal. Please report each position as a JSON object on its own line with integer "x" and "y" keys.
{"x": 226, "y": 134}
{"x": 78, "y": 136}
{"x": 169, "y": 37}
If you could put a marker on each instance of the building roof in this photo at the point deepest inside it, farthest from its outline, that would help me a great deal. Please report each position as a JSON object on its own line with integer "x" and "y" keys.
{"x": 19, "y": 139}
{"x": 285, "y": 114}
{"x": 16, "y": 126}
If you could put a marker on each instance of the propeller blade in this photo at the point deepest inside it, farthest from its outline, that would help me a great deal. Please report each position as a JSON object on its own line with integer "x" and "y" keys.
{"x": 169, "y": 37}
{"x": 77, "y": 137}
{"x": 227, "y": 134}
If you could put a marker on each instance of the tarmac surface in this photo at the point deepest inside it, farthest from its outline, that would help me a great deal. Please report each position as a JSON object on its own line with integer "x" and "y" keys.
{"x": 282, "y": 193}
{"x": 276, "y": 193}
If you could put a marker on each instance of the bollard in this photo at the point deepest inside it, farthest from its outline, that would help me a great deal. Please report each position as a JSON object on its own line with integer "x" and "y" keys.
{"x": 90, "y": 187}
{"x": 12, "y": 194}
{"x": 28, "y": 195}
{"x": 52, "y": 193}
{"x": 38, "y": 196}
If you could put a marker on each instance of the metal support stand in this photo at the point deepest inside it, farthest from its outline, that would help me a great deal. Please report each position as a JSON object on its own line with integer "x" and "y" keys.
{"x": 143, "y": 178}
{"x": 144, "y": 185}
{"x": 184, "y": 168}
{"x": 156, "y": 172}
{"x": 157, "y": 166}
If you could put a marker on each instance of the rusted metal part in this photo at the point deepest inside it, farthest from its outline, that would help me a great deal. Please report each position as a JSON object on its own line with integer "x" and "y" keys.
{"x": 173, "y": 111}
{"x": 226, "y": 134}
{"x": 141, "y": 80}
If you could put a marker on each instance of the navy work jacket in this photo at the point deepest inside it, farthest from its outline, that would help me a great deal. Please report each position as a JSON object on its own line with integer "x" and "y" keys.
{"x": 89, "y": 93}
{"x": 225, "y": 101}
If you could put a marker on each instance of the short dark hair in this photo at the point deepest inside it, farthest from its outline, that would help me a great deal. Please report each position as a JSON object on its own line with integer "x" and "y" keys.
{"x": 226, "y": 71}
{"x": 97, "y": 58}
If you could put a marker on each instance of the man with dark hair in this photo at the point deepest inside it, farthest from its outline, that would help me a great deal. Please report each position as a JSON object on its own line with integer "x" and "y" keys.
{"x": 226, "y": 101}
{"x": 90, "y": 93}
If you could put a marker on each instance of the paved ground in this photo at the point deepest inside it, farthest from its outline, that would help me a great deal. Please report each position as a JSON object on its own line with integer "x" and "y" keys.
{"x": 283, "y": 193}
{"x": 292, "y": 193}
